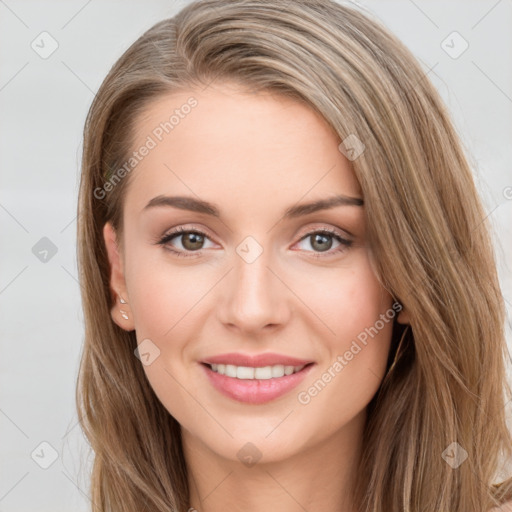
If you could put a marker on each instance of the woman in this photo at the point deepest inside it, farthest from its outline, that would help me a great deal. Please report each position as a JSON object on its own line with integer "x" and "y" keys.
{"x": 289, "y": 289}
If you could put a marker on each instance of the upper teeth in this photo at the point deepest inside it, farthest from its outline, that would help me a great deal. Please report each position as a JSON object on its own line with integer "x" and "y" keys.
{"x": 247, "y": 372}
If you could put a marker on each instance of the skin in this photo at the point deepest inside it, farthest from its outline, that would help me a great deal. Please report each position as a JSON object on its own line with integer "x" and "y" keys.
{"x": 253, "y": 155}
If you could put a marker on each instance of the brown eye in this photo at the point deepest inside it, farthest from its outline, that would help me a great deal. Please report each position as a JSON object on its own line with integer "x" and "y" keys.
{"x": 321, "y": 241}
{"x": 182, "y": 241}
{"x": 192, "y": 241}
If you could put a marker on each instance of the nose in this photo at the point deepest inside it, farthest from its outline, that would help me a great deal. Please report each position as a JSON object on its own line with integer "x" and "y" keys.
{"x": 253, "y": 297}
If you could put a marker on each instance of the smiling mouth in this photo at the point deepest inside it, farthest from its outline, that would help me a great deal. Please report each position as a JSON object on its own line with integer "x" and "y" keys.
{"x": 256, "y": 384}
{"x": 255, "y": 372}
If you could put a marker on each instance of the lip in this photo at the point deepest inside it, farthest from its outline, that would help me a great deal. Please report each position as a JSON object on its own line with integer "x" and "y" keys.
{"x": 255, "y": 391}
{"x": 265, "y": 359}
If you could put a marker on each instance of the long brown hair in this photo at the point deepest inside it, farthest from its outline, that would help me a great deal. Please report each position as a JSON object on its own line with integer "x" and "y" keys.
{"x": 426, "y": 228}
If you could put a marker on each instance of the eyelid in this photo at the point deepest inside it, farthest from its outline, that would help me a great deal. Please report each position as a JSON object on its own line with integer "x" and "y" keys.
{"x": 186, "y": 228}
{"x": 343, "y": 233}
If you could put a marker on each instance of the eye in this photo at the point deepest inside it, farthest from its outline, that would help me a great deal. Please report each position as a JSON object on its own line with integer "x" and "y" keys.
{"x": 322, "y": 241}
{"x": 191, "y": 240}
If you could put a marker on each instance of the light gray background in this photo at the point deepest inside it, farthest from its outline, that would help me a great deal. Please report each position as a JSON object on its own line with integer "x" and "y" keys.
{"x": 43, "y": 105}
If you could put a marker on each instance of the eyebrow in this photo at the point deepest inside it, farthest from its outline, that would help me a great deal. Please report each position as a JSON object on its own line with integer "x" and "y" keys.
{"x": 200, "y": 206}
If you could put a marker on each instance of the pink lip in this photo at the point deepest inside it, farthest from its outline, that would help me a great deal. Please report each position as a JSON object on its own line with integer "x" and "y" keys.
{"x": 255, "y": 391}
{"x": 258, "y": 360}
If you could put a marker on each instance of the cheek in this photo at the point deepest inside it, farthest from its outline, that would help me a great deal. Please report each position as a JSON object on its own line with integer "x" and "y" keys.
{"x": 347, "y": 300}
{"x": 161, "y": 293}
{"x": 164, "y": 300}
{"x": 168, "y": 302}
{"x": 357, "y": 309}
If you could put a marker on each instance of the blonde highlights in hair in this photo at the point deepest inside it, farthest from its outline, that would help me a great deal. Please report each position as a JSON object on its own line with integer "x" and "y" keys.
{"x": 426, "y": 228}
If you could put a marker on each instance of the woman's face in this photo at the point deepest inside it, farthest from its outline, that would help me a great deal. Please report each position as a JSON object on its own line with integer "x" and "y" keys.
{"x": 257, "y": 282}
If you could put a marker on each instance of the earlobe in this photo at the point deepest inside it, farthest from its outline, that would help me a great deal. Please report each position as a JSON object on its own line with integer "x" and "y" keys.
{"x": 120, "y": 311}
{"x": 403, "y": 317}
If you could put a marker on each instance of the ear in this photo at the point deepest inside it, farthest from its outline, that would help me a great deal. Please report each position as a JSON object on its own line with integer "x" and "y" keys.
{"x": 119, "y": 311}
{"x": 403, "y": 316}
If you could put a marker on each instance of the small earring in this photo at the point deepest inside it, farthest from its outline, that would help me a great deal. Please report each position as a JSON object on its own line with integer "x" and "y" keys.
{"x": 121, "y": 300}
{"x": 123, "y": 314}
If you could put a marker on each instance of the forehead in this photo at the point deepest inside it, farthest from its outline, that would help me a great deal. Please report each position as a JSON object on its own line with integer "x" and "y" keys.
{"x": 235, "y": 147}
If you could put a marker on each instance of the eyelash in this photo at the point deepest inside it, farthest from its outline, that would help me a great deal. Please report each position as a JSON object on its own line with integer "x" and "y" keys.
{"x": 344, "y": 243}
